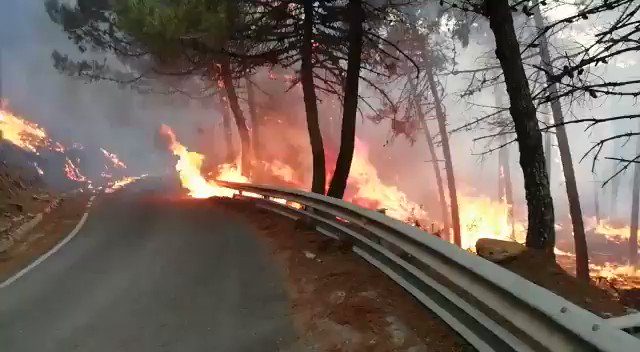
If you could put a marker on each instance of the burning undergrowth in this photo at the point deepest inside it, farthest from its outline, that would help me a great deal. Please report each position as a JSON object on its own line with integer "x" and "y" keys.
{"x": 286, "y": 165}
{"x": 27, "y": 146}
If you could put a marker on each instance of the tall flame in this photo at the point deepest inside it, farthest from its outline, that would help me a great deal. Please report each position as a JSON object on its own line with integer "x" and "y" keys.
{"x": 371, "y": 192}
{"x": 189, "y": 165}
{"x": 482, "y": 217}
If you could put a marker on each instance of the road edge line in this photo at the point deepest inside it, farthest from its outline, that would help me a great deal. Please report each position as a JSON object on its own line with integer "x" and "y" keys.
{"x": 55, "y": 248}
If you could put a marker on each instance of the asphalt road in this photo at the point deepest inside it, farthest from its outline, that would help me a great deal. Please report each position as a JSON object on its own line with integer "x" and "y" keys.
{"x": 149, "y": 274}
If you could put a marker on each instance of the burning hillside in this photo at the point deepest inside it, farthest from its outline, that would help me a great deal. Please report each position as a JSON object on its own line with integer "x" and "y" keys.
{"x": 24, "y": 134}
{"x": 59, "y": 166}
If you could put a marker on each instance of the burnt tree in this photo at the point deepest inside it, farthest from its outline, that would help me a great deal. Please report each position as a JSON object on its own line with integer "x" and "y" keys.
{"x": 350, "y": 106}
{"x": 318, "y": 182}
{"x": 446, "y": 220}
{"x": 238, "y": 116}
{"x": 441, "y": 117}
{"x": 255, "y": 119}
{"x": 540, "y": 231}
{"x": 230, "y": 155}
{"x": 575, "y": 210}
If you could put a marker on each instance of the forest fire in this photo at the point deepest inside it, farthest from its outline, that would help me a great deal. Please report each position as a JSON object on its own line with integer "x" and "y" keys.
{"x": 22, "y": 133}
{"x": 33, "y": 138}
{"x": 611, "y": 232}
{"x": 482, "y": 217}
{"x": 114, "y": 159}
{"x": 123, "y": 182}
{"x": 479, "y": 216}
{"x": 72, "y": 171}
{"x": 371, "y": 192}
{"x": 189, "y": 165}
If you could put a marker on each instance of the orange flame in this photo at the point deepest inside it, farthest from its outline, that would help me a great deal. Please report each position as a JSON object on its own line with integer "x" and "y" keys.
{"x": 282, "y": 170}
{"x": 611, "y": 232}
{"x": 625, "y": 273}
{"x": 123, "y": 182}
{"x": 371, "y": 192}
{"x": 22, "y": 133}
{"x": 482, "y": 217}
{"x": 114, "y": 159}
{"x": 72, "y": 172}
{"x": 189, "y": 165}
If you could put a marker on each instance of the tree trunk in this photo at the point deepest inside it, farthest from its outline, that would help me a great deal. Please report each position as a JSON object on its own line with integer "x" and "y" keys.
{"x": 446, "y": 220}
{"x": 540, "y": 231}
{"x": 350, "y": 107}
{"x": 505, "y": 174}
{"x": 226, "y": 126}
{"x": 548, "y": 144}
{"x": 318, "y": 182}
{"x": 633, "y": 235}
{"x": 575, "y": 210}
{"x": 506, "y": 187}
{"x": 615, "y": 182}
{"x": 241, "y": 123}
{"x": 255, "y": 120}
{"x": 446, "y": 153}
{"x": 596, "y": 200}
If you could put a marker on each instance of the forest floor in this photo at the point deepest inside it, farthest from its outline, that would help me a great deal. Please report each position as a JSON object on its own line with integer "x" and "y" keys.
{"x": 339, "y": 302}
{"x": 20, "y": 197}
{"x": 543, "y": 270}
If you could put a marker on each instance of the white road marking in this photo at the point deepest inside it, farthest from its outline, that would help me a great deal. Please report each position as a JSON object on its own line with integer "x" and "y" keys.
{"x": 43, "y": 257}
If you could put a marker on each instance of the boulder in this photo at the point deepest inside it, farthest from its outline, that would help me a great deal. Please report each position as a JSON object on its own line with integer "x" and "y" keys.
{"x": 498, "y": 250}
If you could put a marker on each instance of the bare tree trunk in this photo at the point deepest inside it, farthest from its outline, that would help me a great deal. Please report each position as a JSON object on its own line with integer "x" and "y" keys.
{"x": 575, "y": 210}
{"x": 446, "y": 220}
{"x": 597, "y": 189}
{"x": 241, "y": 123}
{"x": 540, "y": 231}
{"x": 446, "y": 152}
{"x": 505, "y": 171}
{"x": 318, "y": 181}
{"x": 548, "y": 143}
{"x": 615, "y": 183}
{"x": 226, "y": 126}
{"x": 350, "y": 107}
{"x": 633, "y": 235}
{"x": 255, "y": 119}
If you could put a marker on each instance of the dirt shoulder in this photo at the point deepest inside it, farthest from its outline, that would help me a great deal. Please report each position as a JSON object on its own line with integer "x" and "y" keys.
{"x": 54, "y": 226}
{"x": 340, "y": 302}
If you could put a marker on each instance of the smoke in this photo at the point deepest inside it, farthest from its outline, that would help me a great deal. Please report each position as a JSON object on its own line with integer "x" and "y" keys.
{"x": 94, "y": 115}
{"x": 124, "y": 122}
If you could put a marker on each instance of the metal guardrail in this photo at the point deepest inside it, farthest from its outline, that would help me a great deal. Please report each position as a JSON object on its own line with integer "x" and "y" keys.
{"x": 490, "y": 307}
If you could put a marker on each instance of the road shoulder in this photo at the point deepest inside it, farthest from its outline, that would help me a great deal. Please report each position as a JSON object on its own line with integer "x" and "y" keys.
{"x": 339, "y": 302}
{"x": 53, "y": 228}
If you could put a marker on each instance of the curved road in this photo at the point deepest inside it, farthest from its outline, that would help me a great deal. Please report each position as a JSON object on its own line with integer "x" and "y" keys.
{"x": 149, "y": 274}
